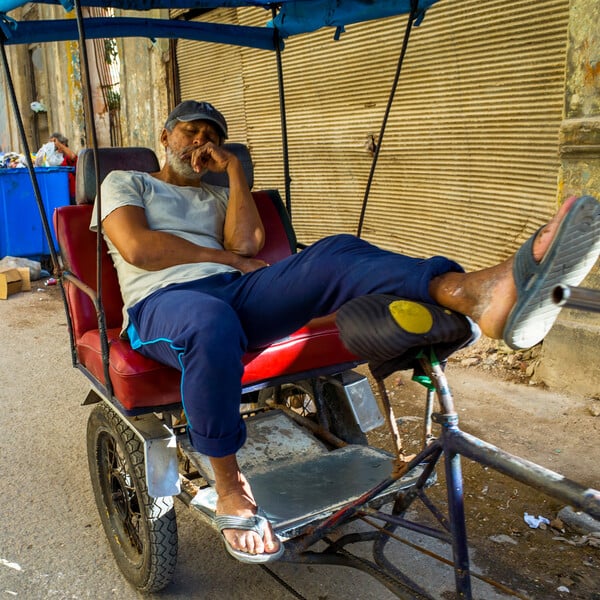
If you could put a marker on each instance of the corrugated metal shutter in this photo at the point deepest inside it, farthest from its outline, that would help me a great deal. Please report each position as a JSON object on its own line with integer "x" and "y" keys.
{"x": 213, "y": 72}
{"x": 469, "y": 163}
{"x": 242, "y": 83}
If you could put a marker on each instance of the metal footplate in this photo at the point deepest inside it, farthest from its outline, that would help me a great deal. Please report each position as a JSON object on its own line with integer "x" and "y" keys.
{"x": 296, "y": 480}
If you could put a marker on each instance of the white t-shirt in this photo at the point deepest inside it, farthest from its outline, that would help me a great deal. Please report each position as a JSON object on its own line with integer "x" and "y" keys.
{"x": 196, "y": 214}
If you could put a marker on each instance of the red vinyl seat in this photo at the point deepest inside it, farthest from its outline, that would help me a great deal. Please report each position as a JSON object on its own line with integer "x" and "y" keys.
{"x": 140, "y": 384}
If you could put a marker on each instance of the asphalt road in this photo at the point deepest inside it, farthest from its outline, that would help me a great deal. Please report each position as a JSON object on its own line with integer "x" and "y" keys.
{"x": 51, "y": 541}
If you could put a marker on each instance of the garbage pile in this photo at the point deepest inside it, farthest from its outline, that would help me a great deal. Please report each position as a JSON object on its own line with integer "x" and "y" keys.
{"x": 12, "y": 160}
{"x": 17, "y": 262}
{"x": 47, "y": 156}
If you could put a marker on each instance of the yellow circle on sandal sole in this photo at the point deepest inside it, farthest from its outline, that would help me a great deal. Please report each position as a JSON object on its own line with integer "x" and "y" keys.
{"x": 412, "y": 317}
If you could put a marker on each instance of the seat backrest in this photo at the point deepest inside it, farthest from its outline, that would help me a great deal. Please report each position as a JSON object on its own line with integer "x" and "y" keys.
{"x": 78, "y": 252}
{"x": 109, "y": 159}
{"x": 280, "y": 239}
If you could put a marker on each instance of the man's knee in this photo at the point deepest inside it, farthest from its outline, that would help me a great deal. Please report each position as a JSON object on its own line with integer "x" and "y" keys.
{"x": 213, "y": 322}
{"x": 341, "y": 243}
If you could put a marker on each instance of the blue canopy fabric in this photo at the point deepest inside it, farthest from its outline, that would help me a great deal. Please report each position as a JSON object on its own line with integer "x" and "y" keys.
{"x": 27, "y": 32}
{"x": 302, "y": 17}
{"x": 293, "y": 17}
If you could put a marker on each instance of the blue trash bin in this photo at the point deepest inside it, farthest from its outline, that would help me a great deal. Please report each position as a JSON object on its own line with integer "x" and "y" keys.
{"x": 21, "y": 230}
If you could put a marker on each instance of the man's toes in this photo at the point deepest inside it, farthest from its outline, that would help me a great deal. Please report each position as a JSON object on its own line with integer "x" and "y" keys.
{"x": 271, "y": 542}
{"x": 255, "y": 544}
{"x": 247, "y": 541}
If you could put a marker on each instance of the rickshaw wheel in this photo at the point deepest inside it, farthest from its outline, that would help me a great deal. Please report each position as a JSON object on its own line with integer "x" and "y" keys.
{"x": 142, "y": 531}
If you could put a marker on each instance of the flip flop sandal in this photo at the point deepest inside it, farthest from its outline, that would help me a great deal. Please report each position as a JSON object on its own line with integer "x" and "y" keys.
{"x": 572, "y": 253}
{"x": 258, "y": 523}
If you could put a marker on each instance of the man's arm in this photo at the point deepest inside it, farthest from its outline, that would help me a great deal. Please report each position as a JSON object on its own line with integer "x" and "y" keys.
{"x": 128, "y": 230}
{"x": 243, "y": 232}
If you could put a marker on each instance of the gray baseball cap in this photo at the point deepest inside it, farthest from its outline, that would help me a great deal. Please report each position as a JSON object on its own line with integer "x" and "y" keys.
{"x": 190, "y": 110}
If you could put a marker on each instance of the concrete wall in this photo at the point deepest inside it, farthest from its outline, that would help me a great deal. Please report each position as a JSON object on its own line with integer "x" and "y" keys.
{"x": 569, "y": 358}
{"x": 145, "y": 93}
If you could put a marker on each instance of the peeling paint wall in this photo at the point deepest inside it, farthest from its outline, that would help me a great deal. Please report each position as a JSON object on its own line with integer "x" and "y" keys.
{"x": 19, "y": 60}
{"x": 574, "y": 339}
{"x": 47, "y": 73}
{"x": 580, "y": 131}
{"x": 50, "y": 73}
{"x": 5, "y": 116}
{"x": 144, "y": 88}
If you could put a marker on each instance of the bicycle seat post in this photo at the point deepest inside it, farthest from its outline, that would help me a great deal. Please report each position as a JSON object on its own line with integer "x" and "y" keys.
{"x": 448, "y": 419}
{"x": 438, "y": 378}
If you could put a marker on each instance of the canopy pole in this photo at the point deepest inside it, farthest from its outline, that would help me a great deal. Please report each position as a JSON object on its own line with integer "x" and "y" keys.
{"x": 414, "y": 7}
{"x": 91, "y": 129}
{"x": 27, "y": 152}
{"x": 282, "y": 111}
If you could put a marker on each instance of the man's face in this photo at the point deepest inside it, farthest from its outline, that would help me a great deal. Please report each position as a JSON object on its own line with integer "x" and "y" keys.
{"x": 183, "y": 139}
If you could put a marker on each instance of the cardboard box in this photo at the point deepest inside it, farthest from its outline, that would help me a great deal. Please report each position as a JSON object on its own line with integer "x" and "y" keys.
{"x": 13, "y": 281}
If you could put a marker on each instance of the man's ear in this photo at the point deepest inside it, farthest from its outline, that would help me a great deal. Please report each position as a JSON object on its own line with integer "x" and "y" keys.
{"x": 163, "y": 137}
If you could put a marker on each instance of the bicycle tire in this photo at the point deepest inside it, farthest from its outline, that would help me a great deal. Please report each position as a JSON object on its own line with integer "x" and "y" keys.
{"x": 141, "y": 531}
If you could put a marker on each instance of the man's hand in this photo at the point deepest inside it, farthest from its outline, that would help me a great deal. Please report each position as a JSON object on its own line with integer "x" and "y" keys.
{"x": 208, "y": 157}
{"x": 247, "y": 265}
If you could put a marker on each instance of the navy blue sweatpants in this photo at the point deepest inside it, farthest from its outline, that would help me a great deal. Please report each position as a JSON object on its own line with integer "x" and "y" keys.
{"x": 204, "y": 327}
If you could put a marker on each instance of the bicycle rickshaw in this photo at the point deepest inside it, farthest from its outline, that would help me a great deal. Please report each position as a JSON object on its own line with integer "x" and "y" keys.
{"x": 311, "y": 474}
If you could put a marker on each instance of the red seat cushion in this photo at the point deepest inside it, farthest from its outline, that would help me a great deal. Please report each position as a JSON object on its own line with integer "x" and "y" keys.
{"x": 139, "y": 382}
{"x": 316, "y": 347}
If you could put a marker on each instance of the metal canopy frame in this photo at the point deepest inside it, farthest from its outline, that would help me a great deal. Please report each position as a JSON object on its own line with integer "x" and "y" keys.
{"x": 63, "y": 30}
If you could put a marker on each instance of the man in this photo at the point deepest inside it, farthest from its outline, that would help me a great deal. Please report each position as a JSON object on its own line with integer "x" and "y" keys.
{"x": 195, "y": 296}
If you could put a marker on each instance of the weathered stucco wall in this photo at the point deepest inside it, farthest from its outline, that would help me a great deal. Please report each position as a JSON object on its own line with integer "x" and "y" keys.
{"x": 580, "y": 131}
{"x": 47, "y": 73}
{"x": 50, "y": 73}
{"x": 145, "y": 93}
{"x": 570, "y": 352}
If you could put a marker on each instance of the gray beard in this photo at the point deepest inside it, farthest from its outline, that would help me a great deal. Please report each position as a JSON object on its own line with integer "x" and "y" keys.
{"x": 183, "y": 168}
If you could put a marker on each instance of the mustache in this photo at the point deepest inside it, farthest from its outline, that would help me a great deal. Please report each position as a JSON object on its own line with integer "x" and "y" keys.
{"x": 181, "y": 166}
{"x": 186, "y": 152}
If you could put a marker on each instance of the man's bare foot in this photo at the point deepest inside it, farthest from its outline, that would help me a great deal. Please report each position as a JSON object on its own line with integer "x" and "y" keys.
{"x": 488, "y": 296}
{"x": 235, "y": 498}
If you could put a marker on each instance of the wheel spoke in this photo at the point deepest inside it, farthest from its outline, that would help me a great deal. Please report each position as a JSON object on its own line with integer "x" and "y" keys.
{"x": 122, "y": 492}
